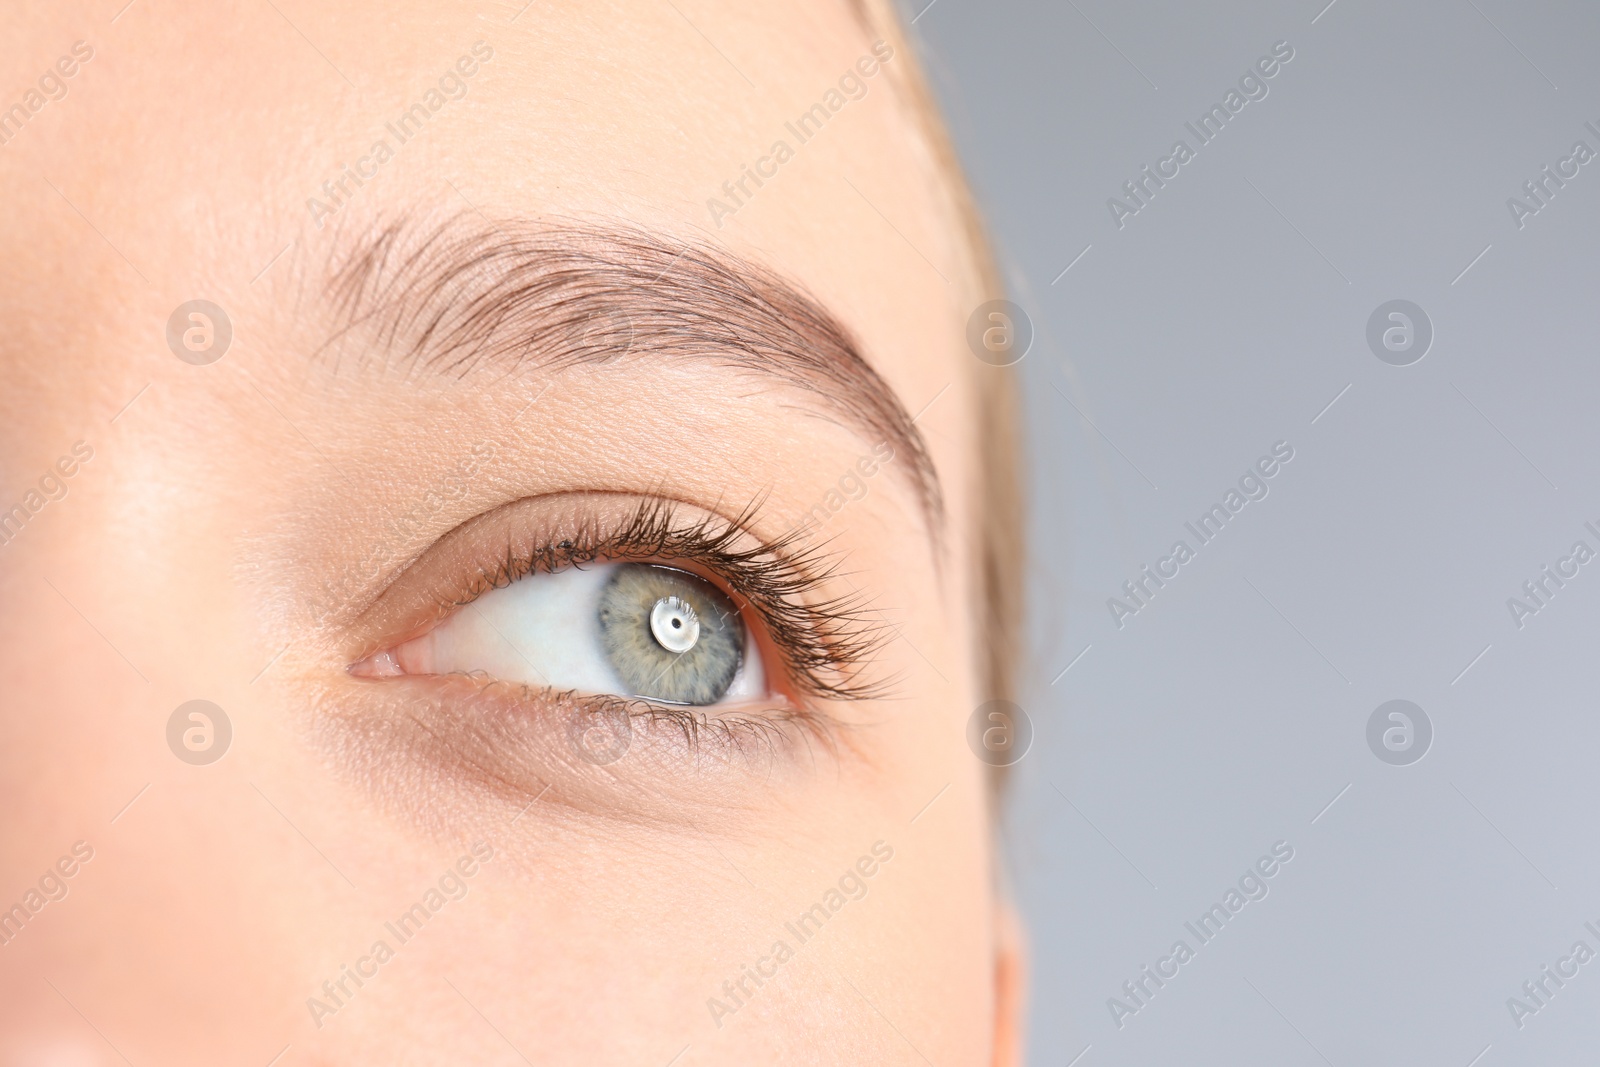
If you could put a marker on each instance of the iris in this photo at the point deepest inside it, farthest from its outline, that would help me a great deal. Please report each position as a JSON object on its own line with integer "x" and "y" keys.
{"x": 669, "y": 635}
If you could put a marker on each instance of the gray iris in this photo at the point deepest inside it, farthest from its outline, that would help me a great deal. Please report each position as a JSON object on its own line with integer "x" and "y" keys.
{"x": 669, "y": 635}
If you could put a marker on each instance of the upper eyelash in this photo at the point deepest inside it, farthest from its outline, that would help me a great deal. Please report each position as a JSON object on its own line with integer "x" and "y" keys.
{"x": 824, "y": 643}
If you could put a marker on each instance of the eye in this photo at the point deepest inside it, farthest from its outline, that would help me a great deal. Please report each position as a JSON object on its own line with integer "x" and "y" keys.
{"x": 624, "y": 629}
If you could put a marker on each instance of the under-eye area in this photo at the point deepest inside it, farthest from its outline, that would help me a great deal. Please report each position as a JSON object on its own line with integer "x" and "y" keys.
{"x": 436, "y": 749}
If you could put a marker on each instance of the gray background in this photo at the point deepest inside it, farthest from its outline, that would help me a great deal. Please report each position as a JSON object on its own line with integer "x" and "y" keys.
{"x": 1227, "y": 715}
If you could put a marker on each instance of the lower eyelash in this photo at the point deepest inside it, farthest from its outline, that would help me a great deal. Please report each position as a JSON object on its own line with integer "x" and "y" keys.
{"x": 419, "y": 741}
{"x": 824, "y": 643}
{"x": 703, "y": 732}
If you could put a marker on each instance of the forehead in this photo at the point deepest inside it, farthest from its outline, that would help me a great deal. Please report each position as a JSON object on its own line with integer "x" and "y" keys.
{"x": 212, "y": 152}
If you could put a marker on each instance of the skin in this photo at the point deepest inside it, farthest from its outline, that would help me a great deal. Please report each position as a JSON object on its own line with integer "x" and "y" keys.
{"x": 219, "y": 499}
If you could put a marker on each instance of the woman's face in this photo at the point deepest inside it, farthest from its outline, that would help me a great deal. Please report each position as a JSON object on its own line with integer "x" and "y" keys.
{"x": 531, "y": 372}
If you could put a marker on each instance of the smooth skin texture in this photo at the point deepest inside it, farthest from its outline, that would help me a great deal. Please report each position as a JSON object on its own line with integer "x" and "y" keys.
{"x": 190, "y": 557}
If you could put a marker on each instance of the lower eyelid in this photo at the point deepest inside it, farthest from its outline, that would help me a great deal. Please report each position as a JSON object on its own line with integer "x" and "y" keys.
{"x": 433, "y": 737}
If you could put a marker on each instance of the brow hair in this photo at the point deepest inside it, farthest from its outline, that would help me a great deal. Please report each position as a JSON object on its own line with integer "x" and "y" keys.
{"x": 463, "y": 295}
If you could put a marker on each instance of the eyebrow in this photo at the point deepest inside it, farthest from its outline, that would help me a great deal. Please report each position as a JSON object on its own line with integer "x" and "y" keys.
{"x": 465, "y": 295}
